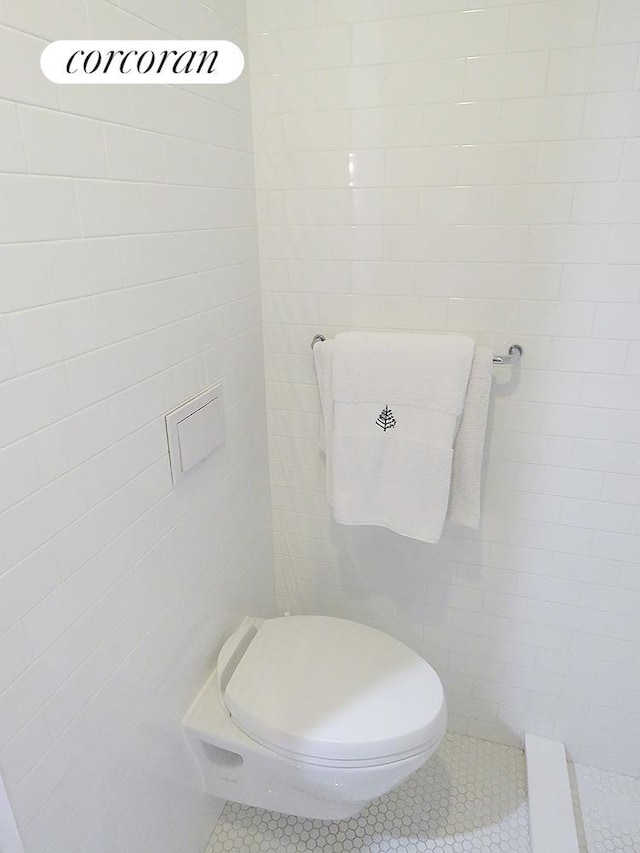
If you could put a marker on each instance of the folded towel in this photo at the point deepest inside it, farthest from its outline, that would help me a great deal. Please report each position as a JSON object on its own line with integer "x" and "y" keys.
{"x": 323, "y": 361}
{"x": 468, "y": 450}
{"x": 397, "y": 400}
{"x": 425, "y": 371}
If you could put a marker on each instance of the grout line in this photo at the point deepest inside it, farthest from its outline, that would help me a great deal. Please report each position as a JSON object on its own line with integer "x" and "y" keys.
{"x": 9, "y": 836}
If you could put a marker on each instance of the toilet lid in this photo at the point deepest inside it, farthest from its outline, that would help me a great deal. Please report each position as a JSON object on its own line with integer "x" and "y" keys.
{"x": 327, "y": 688}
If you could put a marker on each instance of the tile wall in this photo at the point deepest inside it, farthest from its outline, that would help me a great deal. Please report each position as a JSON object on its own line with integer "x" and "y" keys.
{"x": 128, "y": 282}
{"x": 470, "y": 166}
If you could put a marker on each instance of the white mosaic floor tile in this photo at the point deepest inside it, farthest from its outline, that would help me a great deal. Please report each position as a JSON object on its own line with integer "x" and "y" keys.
{"x": 607, "y": 810}
{"x": 469, "y": 798}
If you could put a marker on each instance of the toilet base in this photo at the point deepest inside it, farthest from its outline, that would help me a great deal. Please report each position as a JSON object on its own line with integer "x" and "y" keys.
{"x": 235, "y": 767}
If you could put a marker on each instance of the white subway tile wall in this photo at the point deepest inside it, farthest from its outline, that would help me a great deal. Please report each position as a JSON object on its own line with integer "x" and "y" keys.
{"x": 128, "y": 282}
{"x": 469, "y": 166}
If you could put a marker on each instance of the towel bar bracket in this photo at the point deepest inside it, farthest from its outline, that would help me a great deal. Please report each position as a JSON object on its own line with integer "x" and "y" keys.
{"x": 514, "y": 354}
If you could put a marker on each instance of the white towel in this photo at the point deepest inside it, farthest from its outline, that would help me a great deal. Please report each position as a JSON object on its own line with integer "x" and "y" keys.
{"x": 397, "y": 400}
{"x": 468, "y": 450}
{"x": 323, "y": 361}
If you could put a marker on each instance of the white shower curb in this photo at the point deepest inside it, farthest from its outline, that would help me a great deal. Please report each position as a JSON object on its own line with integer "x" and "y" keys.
{"x": 552, "y": 826}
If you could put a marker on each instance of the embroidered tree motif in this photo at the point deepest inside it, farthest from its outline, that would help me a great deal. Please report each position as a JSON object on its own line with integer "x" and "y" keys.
{"x": 385, "y": 419}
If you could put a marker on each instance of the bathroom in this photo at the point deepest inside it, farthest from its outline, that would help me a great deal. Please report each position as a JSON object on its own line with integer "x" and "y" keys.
{"x": 469, "y": 167}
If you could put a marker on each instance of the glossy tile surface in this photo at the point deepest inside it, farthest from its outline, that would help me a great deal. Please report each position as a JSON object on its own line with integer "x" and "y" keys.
{"x": 470, "y": 797}
{"x": 469, "y": 168}
{"x": 607, "y": 810}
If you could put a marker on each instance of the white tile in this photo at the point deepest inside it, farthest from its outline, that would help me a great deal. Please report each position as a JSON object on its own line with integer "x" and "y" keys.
{"x": 427, "y": 166}
{"x": 392, "y": 40}
{"x": 387, "y": 127}
{"x": 67, "y": 253}
{"x": 99, "y": 374}
{"x": 428, "y": 81}
{"x": 133, "y": 155}
{"x": 607, "y": 807}
{"x": 19, "y": 55}
{"x": 467, "y": 33}
{"x": 497, "y": 164}
{"x": 32, "y": 402}
{"x": 37, "y": 208}
{"x": 615, "y": 114}
{"x": 524, "y": 317}
{"x": 610, "y": 391}
{"x": 542, "y": 203}
{"x": 32, "y": 522}
{"x": 631, "y": 160}
{"x": 455, "y": 205}
{"x": 333, "y": 11}
{"x": 623, "y": 245}
{"x": 12, "y": 157}
{"x": 580, "y": 160}
{"x": 67, "y": 20}
{"x": 557, "y": 24}
{"x": 620, "y": 488}
{"x": 112, "y": 103}
{"x": 75, "y": 146}
{"x": 506, "y": 75}
{"x": 589, "y": 356}
{"x": 322, "y": 131}
{"x": 592, "y": 69}
{"x": 495, "y": 253}
{"x": 618, "y": 546}
{"x": 616, "y": 321}
{"x": 542, "y": 118}
{"x": 568, "y": 243}
{"x": 14, "y": 653}
{"x": 461, "y": 123}
{"x": 384, "y": 206}
{"x": 110, "y": 208}
{"x": 618, "y": 22}
{"x": 240, "y": 826}
{"x": 633, "y": 360}
{"x": 596, "y": 515}
{"x": 261, "y": 16}
{"x": 9, "y": 367}
{"x": 612, "y": 203}
{"x": 311, "y": 48}
{"x": 83, "y": 267}
{"x": 25, "y": 277}
{"x": 44, "y": 336}
{"x": 27, "y": 584}
{"x": 24, "y": 751}
{"x": 600, "y": 283}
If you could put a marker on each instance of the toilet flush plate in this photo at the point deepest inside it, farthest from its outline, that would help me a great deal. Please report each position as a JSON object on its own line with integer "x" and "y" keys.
{"x": 194, "y": 430}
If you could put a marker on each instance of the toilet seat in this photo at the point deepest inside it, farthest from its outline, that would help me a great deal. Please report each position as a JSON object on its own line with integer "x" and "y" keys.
{"x": 332, "y": 692}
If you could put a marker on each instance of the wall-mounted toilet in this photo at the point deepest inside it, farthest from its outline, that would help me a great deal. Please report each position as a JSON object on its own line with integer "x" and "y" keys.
{"x": 314, "y": 716}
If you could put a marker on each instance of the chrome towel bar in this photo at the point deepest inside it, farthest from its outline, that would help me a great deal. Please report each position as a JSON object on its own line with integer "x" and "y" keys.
{"x": 514, "y": 354}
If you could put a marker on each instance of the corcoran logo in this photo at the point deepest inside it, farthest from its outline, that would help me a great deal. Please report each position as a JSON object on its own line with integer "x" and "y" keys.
{"x": 109, "y": 62}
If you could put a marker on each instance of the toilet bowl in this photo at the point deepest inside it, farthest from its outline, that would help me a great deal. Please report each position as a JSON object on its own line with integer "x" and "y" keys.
{"x": 313, "y": 716}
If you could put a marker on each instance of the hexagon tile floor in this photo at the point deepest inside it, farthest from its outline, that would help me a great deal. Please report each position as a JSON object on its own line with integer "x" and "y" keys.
{"x": 469, "y": 798}
{"x": 607, "y": 810}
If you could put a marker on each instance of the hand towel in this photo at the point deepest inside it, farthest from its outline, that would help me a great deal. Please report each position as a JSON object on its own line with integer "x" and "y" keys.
{"x": 468, "y": 450}
{"x": 323, "y": 363}
{"x": 397, "y": 399}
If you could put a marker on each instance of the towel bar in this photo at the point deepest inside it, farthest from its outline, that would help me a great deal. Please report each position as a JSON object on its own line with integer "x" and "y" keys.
{"x": 514, "y": 354}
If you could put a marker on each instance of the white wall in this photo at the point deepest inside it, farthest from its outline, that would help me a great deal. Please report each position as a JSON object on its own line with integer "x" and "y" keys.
{"x": 128, "y": 281}
{"x": 424, "y": 166}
